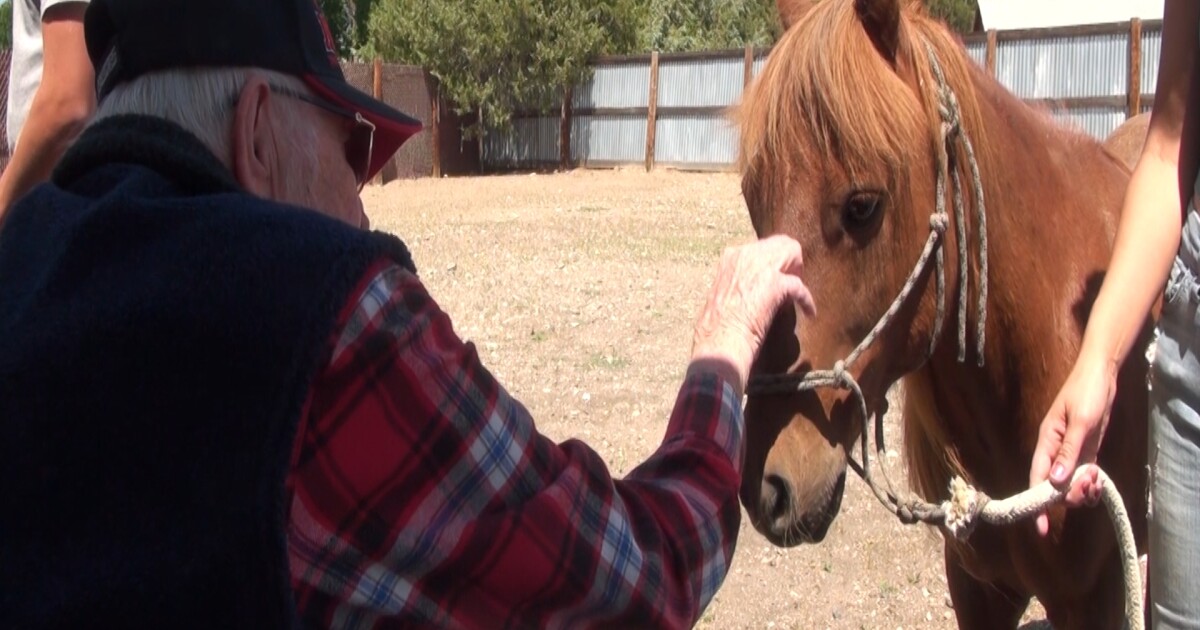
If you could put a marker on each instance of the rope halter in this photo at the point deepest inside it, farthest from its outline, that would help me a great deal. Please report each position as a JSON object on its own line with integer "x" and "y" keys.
{"x": 951, "y": 135}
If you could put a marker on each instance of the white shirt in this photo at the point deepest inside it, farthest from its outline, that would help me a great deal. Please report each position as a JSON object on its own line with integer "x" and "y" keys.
{"x": 25, "y": 73}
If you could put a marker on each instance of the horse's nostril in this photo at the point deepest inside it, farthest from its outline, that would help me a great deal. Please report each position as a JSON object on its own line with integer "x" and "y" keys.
{"x": 776, "y": 496}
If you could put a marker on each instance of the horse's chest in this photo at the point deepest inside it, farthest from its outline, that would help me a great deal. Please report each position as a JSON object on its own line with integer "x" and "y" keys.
{"x": 988, "y": 555}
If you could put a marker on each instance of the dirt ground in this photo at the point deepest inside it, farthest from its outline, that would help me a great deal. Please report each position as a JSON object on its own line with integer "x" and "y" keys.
{"x": 580, "y": 290}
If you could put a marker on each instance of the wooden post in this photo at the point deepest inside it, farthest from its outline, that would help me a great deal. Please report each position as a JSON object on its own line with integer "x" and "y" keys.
{"x": 748, "y": 71}
{"x": 435, "y": 127}
{"x": 377, "y": 82}
{"x": 564, "y": 132}
{"x": 377, "y": 92}
{"x": 990, "y": 59}
{"x": 1133, "y": 93}
{"x": 652, "y": 111}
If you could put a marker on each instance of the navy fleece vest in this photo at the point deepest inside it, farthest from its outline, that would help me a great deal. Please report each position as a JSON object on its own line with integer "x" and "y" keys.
{"x": 159, "y": 332}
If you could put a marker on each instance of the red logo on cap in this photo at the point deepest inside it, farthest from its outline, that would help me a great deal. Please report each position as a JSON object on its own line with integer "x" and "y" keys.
{"x": 330, "y": 46}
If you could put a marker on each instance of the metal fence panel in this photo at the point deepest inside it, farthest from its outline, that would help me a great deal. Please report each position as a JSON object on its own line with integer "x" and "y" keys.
{"x": 700, "y": 83}
{"x": 1061, "y": 67}
{"x": 977, "y": 51}
{"x": 530, "y": 142}
{"x": 1050, "y": 67}
{"x": 1151, "y": 49}
{"x": 700, "y": 140}
{"x": 760, "y": 61}
{"x": 615, "y": 85}
{"x": 1099, "y": 122}
{"x": 608, "y": 139}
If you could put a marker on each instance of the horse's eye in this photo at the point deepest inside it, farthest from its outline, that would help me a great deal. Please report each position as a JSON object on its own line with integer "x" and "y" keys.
{"x": 860, "y": 210}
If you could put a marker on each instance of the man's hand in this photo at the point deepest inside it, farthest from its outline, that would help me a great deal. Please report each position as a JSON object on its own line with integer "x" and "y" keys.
{"x": 753, "y": 281}
{"x": 1071, "y": 433}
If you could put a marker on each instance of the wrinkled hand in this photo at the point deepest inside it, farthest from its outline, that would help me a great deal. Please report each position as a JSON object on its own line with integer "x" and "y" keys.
{"x": 1071, "y": 433}
{"x": 753, "y": 281}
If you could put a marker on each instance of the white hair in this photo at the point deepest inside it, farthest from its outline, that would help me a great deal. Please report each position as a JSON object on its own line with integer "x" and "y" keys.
{"x": 201, "y": 100}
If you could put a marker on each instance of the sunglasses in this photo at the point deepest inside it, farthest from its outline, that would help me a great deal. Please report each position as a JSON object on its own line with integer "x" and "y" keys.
{"x": 362, "y": 137}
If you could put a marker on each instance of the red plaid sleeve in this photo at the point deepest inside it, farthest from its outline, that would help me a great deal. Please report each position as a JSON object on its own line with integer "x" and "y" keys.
{"x": 423, "y": 495}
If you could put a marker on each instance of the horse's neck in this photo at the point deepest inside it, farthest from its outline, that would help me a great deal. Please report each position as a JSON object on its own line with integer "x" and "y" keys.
{"x": 1052, "y": 199}
{"x": 1041, "y": 178}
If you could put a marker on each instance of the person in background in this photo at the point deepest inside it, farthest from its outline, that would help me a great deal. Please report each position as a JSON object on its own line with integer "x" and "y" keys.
{"x": 1157, "y": 253}
{"x": 51, "y": 91}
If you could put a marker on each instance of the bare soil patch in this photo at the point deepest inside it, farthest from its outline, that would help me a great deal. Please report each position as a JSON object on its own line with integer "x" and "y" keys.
{"x": 580, "y": 290}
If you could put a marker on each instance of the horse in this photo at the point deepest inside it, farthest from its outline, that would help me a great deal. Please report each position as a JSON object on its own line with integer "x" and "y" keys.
{"x": 923, "y": 192}
{"x": 1126, "y": 141}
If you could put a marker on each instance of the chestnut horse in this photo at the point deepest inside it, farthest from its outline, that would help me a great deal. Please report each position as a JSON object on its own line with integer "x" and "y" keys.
{"x": 863, "y": 112}
{"x": 1125, "y": 142}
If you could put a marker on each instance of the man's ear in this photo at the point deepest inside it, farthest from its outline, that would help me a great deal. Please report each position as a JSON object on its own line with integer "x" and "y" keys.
{"x": 252, "y": 144}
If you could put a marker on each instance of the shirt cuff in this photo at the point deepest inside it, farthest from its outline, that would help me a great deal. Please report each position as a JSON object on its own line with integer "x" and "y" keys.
{"x": 707, "y": 407}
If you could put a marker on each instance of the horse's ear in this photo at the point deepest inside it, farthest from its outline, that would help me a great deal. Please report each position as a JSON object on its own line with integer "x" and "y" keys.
{"x": 881, "y": 19}
{"x": 790, "y": 11}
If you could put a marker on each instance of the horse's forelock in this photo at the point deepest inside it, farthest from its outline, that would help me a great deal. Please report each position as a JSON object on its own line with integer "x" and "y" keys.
{"x": 826, "y": 93}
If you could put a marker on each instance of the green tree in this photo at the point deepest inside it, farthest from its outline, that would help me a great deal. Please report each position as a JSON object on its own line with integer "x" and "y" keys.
{"x": 689, "y": 25}
{"x": 6, "y": 25}
{"x": 362, "y": 13}
{"x": 497, "y": 56}
{"x": 958, "y": 14}
{"x": 340, "y": 15}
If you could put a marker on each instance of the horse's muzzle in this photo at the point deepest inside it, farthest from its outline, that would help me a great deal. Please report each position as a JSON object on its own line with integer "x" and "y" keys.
{"x": 783, "y": 523}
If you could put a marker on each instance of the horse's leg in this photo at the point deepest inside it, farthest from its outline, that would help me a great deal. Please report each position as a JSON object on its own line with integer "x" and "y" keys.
{"x": 980, "y": 605}
{"x": 1102, "y": 609}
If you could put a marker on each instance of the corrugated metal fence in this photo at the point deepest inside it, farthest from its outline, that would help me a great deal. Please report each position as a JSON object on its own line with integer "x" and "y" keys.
{"x": 1092, "y": 77}
{"x": 652, "y": 109}
{"x": 670, "y": 109}
{"x": 438, "y": 150}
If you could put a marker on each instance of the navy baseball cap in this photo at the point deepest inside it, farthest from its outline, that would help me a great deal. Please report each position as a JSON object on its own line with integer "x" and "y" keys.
{"x": 129, "y": 38}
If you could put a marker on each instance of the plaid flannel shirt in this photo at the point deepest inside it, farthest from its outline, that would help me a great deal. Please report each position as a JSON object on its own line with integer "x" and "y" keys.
{"x": 421, "y": 493}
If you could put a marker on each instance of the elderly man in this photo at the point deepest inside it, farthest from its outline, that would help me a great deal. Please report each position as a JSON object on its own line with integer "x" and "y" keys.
{"x": 226, "y": 403}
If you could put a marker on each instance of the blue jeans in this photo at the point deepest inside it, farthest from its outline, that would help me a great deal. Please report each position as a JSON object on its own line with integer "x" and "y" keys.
{"x": 1174, "y": 444}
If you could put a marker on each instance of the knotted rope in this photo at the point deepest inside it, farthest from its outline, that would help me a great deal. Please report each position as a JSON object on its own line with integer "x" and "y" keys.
{"x": 952, "y": 131}
{"x": 966, "y": 505}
